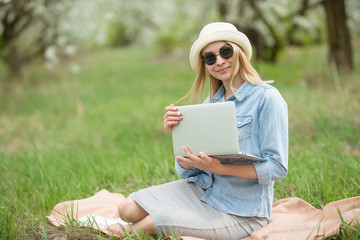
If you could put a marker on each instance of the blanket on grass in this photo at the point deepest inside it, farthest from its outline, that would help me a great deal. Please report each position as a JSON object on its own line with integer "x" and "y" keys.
{"x": 291, "y": 218}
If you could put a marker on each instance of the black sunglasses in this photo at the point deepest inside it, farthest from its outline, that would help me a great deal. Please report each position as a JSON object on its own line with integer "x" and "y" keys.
{"x": 226, "y": 52}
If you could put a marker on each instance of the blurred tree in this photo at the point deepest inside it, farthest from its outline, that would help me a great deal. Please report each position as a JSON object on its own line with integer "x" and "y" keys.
{"x": 298, "y": 20}
{"x": 223, "y": 8}
{"x": 273, "y": 24}
{"x": 15, "y": 18}
{"x": 339, "y": 40}
{"x": 28, "y": 29}
{"x": 226, "y": 7}
{"x": 46, "y": 27}
{"x": 183, "y": 21}
{"x": 258, "y": 23}
{"x": 278, "y": 41}
{"x": 132, "y": 19}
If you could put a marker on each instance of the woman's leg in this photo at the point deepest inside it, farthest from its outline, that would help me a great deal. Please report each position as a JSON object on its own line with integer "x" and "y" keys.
{"x": 146, "y": 225}
{"x": 133, "y": 213}
{"x": 130, "y": 211}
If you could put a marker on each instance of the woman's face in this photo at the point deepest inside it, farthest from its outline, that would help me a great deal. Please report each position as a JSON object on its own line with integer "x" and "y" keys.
{"x": 221, "y": 69}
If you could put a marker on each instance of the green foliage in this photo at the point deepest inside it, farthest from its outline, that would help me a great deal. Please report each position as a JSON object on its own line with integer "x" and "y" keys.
{"x": 65, "y": 136}
{"x": 118, "y": 35}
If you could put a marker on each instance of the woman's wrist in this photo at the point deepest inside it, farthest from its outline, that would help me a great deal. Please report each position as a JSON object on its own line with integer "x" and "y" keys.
{"x": 237, "y": 170}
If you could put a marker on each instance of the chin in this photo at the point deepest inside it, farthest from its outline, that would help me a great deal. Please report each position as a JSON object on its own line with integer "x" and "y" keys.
{"x": 223, "y": 78}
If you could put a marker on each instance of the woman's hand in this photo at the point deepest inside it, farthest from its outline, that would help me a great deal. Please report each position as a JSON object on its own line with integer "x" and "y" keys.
{"x": 172, "y": 117}
{"x": 202, "y": 162}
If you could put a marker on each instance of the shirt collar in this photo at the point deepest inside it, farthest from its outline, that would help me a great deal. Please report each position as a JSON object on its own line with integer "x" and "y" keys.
{"x": 219, "y": 95}
{"x": 240, "y": 94}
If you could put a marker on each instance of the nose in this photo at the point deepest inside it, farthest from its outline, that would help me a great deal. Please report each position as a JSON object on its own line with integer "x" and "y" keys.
{"x": 219, "y": 59}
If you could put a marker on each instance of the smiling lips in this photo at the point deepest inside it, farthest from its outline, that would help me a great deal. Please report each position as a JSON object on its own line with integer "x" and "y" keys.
{"x": 222, "y": 70}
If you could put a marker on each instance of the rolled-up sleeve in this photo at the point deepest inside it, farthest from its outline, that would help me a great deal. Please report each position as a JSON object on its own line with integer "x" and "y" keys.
{"x": 204, "y": 179}
{"x": 274, "y": 139}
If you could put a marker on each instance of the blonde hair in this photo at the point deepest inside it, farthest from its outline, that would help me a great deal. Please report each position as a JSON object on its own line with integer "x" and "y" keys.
{"x": 246, "y": 70}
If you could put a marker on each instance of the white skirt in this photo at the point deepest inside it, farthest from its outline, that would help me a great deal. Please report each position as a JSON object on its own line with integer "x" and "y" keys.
{"x": 176, "y": 209}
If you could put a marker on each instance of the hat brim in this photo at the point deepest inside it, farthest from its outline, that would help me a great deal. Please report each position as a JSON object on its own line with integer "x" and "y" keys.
{"x": 236, "y": 37}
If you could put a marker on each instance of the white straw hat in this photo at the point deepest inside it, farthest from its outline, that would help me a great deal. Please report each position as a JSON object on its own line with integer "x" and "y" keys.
{"x": 218, "y": 31}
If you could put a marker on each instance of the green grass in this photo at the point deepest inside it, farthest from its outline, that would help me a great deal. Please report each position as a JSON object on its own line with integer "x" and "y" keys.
{"x": 65, "y": 136}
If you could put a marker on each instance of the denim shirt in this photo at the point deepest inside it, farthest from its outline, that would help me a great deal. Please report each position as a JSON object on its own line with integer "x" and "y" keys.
{"x": 262, "y": 122}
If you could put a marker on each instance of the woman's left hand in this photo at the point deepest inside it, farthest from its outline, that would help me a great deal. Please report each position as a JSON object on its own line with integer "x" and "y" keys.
{"x": 202, "y": 162}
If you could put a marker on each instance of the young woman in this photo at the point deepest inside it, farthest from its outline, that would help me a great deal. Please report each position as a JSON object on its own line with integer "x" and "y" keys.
{"x": 214, "y": 200}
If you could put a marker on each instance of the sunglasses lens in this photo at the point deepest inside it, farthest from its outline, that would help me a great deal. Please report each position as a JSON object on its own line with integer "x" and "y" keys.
{"x": 209, "y": 58}
{"x": 226, "y": 52}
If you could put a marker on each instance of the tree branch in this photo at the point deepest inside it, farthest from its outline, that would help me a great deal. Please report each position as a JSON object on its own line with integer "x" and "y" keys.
{"x": 266, "y": 22}
{"x": 305, "y": 6}
{"x": 13, "y": 27}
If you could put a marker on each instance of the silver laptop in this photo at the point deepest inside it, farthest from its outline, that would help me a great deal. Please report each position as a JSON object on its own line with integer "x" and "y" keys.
{"x": 210, "y": 128}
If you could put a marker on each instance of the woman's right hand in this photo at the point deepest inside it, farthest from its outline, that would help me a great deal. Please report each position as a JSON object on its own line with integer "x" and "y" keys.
{"x": 172, "y": 117}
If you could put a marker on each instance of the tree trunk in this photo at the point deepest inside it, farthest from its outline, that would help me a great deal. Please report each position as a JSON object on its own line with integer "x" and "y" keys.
{"x": 340, "y": 51}
{"x": 258, "y": 41}
{"x": 15, "y": 62}
{"x": 222, "y": 9}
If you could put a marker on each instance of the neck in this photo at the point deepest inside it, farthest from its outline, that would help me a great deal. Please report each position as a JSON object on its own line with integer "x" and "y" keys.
{"x": 237, "y": 83}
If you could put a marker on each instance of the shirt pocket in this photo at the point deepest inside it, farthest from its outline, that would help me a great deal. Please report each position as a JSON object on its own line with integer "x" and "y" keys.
{"x": 244, "y": 126}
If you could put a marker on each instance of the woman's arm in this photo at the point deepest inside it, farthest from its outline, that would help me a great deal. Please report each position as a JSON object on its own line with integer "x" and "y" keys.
{"x": 274, "y": 141}
{"x": 206, "y": 163}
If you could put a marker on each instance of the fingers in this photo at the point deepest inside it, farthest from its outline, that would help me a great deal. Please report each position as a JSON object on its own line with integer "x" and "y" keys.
{"x": 184, "y": 162}
{"x": 189, "y": 159}
{"x": 202, "y": 162}
{"x": 188, "y": 153}
{"x": 204, "y": 156}
{"x": 172, "y": 117}
{"x": 196, "y": 160}
{"x": 170, "y": 108}
{"x": 171, "y": 111}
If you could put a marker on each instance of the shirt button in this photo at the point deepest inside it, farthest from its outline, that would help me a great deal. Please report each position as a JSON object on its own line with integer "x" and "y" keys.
{"x": 239, "y": 123}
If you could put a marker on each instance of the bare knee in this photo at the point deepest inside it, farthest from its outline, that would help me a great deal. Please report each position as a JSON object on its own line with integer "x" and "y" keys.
{"x": 124, "y": 208}
{"x": 130, "y": 211}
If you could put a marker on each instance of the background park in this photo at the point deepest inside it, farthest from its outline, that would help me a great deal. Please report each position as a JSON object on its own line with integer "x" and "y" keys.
{"x": 84, "y": 85}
